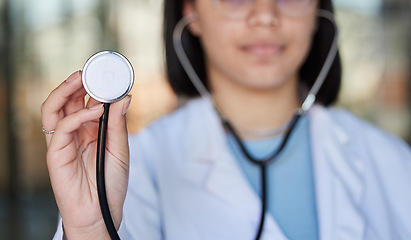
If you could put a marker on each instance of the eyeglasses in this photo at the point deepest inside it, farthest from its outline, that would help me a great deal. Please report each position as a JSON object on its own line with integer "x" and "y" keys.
{"x": 240, "y": 9}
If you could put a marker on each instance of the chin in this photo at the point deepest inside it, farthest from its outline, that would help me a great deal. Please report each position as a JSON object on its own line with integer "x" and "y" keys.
{"x": 264, "y": 85}
{"x": 267, "y": 81}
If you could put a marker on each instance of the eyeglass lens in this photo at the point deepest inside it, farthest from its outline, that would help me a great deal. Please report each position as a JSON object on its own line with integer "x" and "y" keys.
{"x": 238, "y": 9}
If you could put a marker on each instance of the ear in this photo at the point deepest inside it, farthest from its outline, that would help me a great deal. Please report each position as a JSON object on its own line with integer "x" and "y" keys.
{"x": 189, "y": 9}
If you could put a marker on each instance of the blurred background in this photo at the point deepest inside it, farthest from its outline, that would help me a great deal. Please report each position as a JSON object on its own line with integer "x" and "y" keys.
{"x": 42, "y": 42}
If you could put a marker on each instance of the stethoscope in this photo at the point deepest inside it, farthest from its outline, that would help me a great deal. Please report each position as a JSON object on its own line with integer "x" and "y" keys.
{"x": 108, "y": 77}
{"x": 306, "y": 105}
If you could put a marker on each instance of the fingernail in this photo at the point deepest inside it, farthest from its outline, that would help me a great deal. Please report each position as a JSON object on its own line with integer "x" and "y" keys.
{"x": 74, "y": 76}
{"x": 126, "y": 104}
{"x": 98, "y": 106}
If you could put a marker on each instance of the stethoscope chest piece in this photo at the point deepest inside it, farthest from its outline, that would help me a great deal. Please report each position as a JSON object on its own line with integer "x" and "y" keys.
{"x": 108, "y": 76}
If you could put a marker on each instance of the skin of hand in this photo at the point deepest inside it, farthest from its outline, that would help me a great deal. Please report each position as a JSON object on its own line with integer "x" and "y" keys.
{"x": 71, "y": 158}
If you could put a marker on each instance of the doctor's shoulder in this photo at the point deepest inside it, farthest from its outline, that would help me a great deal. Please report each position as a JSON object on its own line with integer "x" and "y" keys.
{"x": 377, "y": 142}
{"x": 170, "y": 132}
{"x": 382, "y": 158}
{"x": 375, "y": 153}
{"x": 385, "y": 169}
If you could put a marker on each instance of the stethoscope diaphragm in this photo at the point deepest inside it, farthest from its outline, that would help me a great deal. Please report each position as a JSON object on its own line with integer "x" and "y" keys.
{"x": 108, "y": 76}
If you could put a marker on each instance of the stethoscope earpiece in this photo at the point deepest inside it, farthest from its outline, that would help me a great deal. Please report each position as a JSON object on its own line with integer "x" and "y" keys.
{"x": 108, "y": 76}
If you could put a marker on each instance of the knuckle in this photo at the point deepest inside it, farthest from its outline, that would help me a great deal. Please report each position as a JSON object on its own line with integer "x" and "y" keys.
{"x": 42, "y": 108}
{"x": 45, "y": 104}
{"x": 68, "y": 121}
{"x": 53, "y": 92}
{"x": 61, "y": 123}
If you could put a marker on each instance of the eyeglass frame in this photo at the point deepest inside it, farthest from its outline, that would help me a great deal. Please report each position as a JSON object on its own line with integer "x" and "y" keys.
{"x": 309, "y": 7}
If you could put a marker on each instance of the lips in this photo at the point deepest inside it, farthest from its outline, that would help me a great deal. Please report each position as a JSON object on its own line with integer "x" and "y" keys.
{"x": 263, "y": 49}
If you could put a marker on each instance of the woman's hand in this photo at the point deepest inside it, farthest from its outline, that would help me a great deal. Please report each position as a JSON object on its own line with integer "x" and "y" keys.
{"x": 71, "y": 158}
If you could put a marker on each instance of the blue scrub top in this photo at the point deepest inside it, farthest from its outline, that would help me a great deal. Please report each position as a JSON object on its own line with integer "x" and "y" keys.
{"x": 291, "y": 189}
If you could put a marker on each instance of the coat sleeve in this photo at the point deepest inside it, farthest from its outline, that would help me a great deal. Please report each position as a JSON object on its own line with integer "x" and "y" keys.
{"x": 141, "y": 211}
{"x": 59, "y": 232}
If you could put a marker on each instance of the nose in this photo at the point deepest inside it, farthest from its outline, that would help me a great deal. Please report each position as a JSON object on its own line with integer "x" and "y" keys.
{"x": 264, "y": 13}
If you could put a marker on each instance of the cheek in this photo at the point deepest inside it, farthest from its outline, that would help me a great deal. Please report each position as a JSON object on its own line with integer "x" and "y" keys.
{"x": 218, "y": 44}
{"x": 302, "y": 41}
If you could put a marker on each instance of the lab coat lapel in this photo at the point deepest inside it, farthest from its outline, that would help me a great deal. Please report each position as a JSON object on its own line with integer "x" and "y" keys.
{"x": 337, "y": 173}
{"x": 225, "y": 181}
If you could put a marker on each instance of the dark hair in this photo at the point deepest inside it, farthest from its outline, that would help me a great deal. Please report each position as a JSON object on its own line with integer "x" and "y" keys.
{"x": 309, "y": 71}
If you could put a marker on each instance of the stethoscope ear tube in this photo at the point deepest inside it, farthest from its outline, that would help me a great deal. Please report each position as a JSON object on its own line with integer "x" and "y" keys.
{"x": 306, "y": 105}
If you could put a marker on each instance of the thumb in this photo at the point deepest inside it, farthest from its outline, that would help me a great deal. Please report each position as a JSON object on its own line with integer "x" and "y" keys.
{"x": 118, "y": 110}
{"x": 117, "y": 127}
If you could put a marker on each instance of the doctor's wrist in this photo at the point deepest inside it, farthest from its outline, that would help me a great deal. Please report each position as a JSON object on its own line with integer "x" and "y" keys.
{"x": 98, "y": 231}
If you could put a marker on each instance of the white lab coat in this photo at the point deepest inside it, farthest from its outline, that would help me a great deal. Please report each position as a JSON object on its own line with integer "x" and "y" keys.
{"x": 186, "y": 184}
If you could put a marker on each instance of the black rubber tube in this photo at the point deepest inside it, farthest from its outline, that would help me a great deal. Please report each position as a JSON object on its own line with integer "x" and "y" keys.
{"x": 263, "y": 163}
{"x": 101, "y": 183}
{"x": 263, "y": 200}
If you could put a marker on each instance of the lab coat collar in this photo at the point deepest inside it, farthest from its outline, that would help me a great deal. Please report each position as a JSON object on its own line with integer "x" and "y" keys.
{"x": 225, "y": 180}
{"x": 337, "y": 176}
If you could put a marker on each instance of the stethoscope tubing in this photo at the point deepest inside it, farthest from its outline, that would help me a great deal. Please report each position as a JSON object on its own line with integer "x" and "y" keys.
{"x": 271, "y": 157}
{"x": 306, "y": 105}
{"x": 264, "y": 163}
{"x": 102, "y": 137}
{"x": 100, "y": 173}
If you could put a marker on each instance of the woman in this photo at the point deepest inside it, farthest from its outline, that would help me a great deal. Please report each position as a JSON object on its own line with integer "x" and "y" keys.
{"x": 185, "y": 177}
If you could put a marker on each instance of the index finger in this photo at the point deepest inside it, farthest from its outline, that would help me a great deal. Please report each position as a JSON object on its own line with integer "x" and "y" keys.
{"x": 52, "y": 108}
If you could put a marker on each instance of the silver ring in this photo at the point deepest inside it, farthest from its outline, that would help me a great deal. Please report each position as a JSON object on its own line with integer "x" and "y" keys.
{"x": 47, "y": 132}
